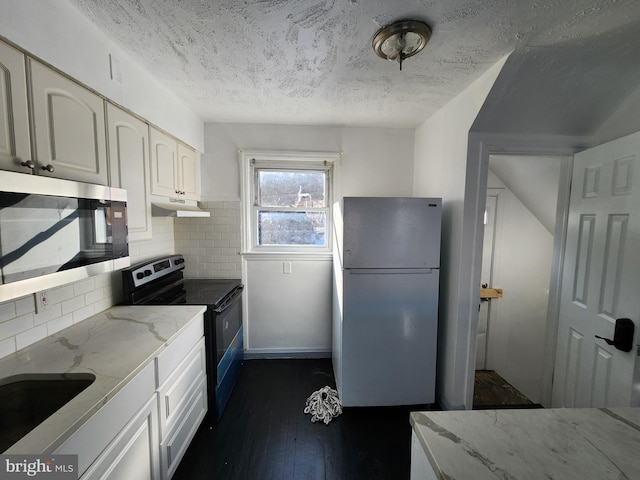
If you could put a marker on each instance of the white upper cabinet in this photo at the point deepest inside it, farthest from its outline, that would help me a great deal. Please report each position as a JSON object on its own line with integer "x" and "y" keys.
{"x": 14, "y": 122}
{"x": 174, "y": 167}
{"x": 164, "y": 168}
{"x": 69, "y": 128}
{"x": 128, "y": 139}
{"x": 188, "y": 172}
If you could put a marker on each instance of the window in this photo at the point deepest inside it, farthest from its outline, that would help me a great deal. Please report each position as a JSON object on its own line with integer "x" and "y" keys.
{"x": 290, "y": 197}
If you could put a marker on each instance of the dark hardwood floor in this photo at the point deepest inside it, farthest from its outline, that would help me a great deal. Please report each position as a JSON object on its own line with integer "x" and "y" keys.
{"x": 264, "y": 433}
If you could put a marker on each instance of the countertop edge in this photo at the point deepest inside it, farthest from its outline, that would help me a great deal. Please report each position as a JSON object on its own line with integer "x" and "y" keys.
{"x": 559, "y": 442}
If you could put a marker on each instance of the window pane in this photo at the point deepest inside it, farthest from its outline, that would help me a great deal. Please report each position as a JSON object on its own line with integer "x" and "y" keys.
{"x": 291, "y": 228}
{"x": 291, "y": 188}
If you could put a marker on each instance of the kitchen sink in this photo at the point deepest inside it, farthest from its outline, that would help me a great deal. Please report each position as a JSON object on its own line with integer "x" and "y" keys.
{"x": 27, "y": 400}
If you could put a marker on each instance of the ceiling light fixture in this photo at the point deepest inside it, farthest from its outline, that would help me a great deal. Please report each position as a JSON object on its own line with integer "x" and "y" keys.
{"x": 400, "y": 40}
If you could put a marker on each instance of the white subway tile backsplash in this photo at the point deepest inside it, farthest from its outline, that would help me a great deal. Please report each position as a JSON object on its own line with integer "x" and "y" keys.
{"x": 54, "y": 311}
{"x": 16, "y": 325}
{"x": 83, "y": 313}
{"x": 7, "y": 346}
{"x": 72, "y": 304}
{"x": 216, "y": 254}
{"x": 60, "y": 294}
{"x": 32, "y": 335}
{"x": 60, "y": 323}
{"x": 84, "y": 286}
{"x": 94, "y": 296}
{"x": 25, "y": 305}
{"x": 7, "y": 311}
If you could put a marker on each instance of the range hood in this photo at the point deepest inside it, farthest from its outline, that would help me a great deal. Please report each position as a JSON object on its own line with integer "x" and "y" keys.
{"x": 175, "y": 207}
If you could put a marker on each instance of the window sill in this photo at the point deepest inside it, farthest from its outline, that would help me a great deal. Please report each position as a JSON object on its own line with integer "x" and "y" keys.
{"x": 312, "y": 256}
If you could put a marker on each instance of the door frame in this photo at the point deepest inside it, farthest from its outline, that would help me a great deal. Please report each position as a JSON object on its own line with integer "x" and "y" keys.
{"x": 479, "y": 148}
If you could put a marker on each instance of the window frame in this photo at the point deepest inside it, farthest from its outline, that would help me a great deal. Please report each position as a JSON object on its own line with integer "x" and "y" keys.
{"x": 252, "y": 162}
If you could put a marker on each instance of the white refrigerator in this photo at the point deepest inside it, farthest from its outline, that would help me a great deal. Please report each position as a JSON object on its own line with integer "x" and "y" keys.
{"x": 385, "y": 311}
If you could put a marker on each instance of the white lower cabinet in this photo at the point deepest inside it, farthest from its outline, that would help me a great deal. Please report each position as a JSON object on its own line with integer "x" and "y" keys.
{"x": 94, "y": 436}
{"x": 183, "y": 405}
{"x": 175, "y": 444}
{"x": 134, "y": 452}
{"x": 143, "y": 432}
{"x": 421, "y": 468}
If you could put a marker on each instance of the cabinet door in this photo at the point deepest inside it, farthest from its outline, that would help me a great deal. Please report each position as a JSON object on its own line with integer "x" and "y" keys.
{"x": 14, "y": 123}
{"x": 134, "y": 453}
{"x": 179, "y": 387}
{"x": 97, "y": 433}
{"x": 129, "y": 168}
{"x": 188, "y": 172}
{"x": 70, "y": 136}
{"x": 164, "y": 164}
{"x": 175, "y": 444}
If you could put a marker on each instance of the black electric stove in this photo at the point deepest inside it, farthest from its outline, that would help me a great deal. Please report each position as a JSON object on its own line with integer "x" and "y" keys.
{"x": 160, "y": 281}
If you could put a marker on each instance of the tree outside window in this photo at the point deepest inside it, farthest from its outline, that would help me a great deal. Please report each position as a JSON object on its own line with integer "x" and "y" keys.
{"x": 291, "y": 207}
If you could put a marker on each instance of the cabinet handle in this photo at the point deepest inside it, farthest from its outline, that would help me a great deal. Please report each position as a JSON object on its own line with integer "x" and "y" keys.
{"x": 29, "y": 164}
{"x": 48, "y": 168}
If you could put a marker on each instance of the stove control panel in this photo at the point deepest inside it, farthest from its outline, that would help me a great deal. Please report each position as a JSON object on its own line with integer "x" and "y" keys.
{"x": 152, "y": 270}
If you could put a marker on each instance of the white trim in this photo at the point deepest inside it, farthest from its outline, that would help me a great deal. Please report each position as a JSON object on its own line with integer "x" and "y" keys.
{"x": 289, "y": 160}
{"x": 480, "y": 147}
{"x": 266, "y": 353}
{"x": 278, "y": 256}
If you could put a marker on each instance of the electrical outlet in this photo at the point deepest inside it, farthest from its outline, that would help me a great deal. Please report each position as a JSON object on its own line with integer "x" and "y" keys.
{"x": 42, "y": 301}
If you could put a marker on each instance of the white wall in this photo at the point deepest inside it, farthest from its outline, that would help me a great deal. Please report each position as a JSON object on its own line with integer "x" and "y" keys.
{"x": 375, "y": 161}
{"x": 623, "y": 121}
{"x": 442, "y": 170}
{"x": 522, "y": 268}
{"x": 290, "y": 314}
{"x": 55, "y": 32}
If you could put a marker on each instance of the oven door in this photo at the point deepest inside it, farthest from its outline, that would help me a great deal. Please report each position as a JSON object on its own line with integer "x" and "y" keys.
{"x": 228, "y": 320}
{"x": 223, "y": 329}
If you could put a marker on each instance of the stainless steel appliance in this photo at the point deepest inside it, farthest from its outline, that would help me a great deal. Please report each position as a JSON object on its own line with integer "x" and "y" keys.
{"x": 387, "y": 264}
{"x": 56, "y": 231}
{"x": 160, "y": 281}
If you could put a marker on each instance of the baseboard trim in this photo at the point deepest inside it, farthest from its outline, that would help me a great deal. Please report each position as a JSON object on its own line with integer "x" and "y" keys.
{"x": 267, "y": 353}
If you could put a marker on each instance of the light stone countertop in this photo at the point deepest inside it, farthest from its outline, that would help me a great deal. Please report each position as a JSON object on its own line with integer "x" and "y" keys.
{"x": 558, "y": 444}
{"x": 113, "y": 345}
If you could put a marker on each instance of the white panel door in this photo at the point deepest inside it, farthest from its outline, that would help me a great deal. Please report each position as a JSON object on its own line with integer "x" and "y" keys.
{"x": 601, "y": 277}
{"x": 129, "y": 168}
{"x": 70, "y": 135}
{"x": 14, "y": 124}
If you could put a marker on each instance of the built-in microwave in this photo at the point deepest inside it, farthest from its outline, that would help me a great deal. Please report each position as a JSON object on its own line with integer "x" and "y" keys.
{"x": 54, "y": 232}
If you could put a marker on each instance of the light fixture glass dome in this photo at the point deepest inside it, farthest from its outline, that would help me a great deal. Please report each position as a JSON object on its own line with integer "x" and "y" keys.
{"x": 401, "y": 40}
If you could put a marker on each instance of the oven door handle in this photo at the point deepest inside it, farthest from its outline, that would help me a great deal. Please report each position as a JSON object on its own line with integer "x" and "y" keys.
{"x": 230, "y": 299}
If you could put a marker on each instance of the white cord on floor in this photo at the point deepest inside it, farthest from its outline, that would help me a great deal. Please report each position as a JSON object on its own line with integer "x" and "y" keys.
{"x": 323, "y": 404}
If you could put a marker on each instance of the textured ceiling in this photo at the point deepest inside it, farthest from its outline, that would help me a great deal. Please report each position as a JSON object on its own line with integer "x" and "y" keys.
{"x": 311, "y": 62}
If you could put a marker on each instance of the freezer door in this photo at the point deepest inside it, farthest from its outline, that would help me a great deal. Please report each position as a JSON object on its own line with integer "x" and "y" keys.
{"x": 391, "y": 232}
{"x": 389, "y": 336}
